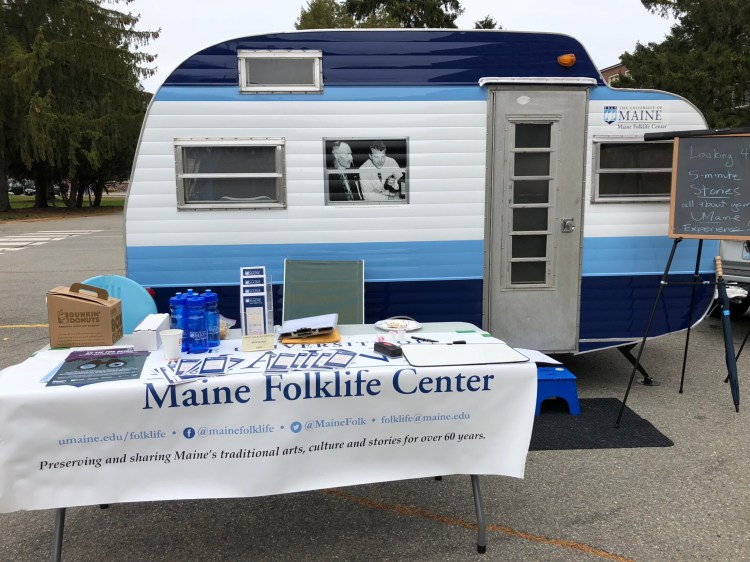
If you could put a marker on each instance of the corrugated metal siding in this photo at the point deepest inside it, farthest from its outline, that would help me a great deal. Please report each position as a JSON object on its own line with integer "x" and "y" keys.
{"x": 630, "y": 219}
{"x": 447, "y": 167}
{"x": 446, "y": 173}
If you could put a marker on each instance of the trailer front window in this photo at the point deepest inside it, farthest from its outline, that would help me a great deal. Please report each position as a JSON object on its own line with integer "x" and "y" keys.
{"x": 633, "y": 171}
{"x": 230, "y": 173}
{"x": 273, "y": 71}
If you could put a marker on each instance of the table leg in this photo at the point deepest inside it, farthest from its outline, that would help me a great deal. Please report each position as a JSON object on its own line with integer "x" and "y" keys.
{"x": 481, "y": 526}
{"x": 59, "y": 524}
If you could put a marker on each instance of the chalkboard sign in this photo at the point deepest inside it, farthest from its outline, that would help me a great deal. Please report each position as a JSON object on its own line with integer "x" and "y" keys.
{"x": 711, "y": 188}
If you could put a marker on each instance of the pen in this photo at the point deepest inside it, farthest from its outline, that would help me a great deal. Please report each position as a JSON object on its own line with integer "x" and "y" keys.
{"x": 424, "y": 339}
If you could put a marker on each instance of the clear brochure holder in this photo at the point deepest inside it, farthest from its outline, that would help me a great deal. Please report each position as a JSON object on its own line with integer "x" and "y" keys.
{"x": 256, "y": 301}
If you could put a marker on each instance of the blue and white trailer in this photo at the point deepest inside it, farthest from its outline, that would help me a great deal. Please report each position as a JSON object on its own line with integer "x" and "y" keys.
{"x": 521, "y": 195}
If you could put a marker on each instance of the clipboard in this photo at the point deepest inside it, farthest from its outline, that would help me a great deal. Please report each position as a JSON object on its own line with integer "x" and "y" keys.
{"x": 328, "y": 337}
{"x": 437, "y": 354}
{"x": 310, "y": 326}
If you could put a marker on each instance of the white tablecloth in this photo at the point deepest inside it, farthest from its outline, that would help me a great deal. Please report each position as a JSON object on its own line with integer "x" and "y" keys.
{"x": 257, "y": 434}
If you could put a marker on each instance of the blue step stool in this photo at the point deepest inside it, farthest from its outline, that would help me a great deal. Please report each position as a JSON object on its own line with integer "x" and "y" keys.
{"x": 557, "y": 382}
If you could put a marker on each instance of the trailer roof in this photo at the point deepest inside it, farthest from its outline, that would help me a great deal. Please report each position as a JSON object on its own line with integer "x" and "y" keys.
{"x": 401, "y": 57}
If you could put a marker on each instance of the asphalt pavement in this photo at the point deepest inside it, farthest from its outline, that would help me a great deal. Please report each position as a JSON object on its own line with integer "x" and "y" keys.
{"x": 687, "y": 502}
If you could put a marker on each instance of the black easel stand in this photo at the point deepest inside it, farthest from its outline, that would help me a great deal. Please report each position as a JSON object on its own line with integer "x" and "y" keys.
{"x": 737, "y": 357}
{"x": 744, "y": 341}
{"x": 637, "y": 362}
{"x": 728, "y": 345}
{"x": 696, "y": 277}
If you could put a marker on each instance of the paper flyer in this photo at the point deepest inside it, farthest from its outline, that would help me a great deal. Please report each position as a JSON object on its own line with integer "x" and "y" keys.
{"x": 81, "y": 368}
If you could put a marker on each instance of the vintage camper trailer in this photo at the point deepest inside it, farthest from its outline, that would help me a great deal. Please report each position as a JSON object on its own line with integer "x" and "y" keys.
{"x": 484, "y": 176}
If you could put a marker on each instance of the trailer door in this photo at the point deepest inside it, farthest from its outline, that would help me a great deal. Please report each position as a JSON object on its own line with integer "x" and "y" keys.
{"x": 533, "y": 216}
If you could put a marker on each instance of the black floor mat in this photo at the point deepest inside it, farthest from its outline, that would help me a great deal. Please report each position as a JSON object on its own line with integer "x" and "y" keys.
{"x": 555, "y": 429}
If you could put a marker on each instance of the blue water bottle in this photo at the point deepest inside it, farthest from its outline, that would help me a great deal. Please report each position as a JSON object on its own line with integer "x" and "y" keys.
{"x": 197, "y": 324}
{"x": 185, "y": 327}
{"x": 175, "y": 311}
{"x": 212, "y": 318}
{"x": 177, "y": 317}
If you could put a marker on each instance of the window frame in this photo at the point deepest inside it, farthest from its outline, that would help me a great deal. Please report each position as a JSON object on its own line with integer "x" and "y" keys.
{"x": 211, "y": 142}
{"x": 596, "y": 197}
{"x": 549, "y": 260}
{"x": 360, "y": 147}
{"x": 243, "y": 55}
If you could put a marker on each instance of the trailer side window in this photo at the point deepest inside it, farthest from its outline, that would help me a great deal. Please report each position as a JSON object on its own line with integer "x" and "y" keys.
{"x": 230, "y": 173}
{"x": 291, "y": 71}
{"x": 632, "y": 171}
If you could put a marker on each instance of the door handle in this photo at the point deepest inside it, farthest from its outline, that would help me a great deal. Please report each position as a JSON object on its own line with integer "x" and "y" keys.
{"x": 568, "y": 225}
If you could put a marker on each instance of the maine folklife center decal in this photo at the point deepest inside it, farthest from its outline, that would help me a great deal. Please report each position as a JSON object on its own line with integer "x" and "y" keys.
{"x": 630, "y": 117}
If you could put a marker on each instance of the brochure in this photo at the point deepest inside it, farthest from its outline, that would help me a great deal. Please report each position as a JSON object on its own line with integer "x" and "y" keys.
{"x": 82, "y": 368}
{"x": 256, "y": 301}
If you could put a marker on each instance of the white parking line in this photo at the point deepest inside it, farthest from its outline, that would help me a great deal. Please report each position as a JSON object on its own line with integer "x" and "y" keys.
{"x": 14, "y": 242}
{"x": 66, "y": 232}
{"x": 22, "y": 237}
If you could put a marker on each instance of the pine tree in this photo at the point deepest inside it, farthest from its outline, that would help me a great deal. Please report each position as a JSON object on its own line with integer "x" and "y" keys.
{"x": 324, "y": 14}
{"x": 705, "y": 58}
{"x": 405, "y": 13}
{"x": 73, "y": 98}
{"x": 487, "y": 22}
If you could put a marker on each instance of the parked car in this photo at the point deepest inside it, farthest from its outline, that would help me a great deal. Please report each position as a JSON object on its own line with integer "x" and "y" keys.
{"x": 735, "y": 259}
{"x": 29, "y": 188}
{"x": 15, "y": 187}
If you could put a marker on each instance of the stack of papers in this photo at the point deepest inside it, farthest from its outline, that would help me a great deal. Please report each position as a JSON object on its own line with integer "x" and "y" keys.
{"x": 444, "y": 354}
{"x": 310, "y": 326}
{"x": 190, "y": 369}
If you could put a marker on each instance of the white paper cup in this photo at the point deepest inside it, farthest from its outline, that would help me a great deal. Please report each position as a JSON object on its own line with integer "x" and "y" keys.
{"x": 171, "y": 344}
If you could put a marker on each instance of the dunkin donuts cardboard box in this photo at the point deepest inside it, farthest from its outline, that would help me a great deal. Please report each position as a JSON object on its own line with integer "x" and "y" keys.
{"x": 83, "y": 315}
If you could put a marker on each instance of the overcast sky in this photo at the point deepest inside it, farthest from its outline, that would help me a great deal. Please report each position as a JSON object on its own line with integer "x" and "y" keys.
{"x": 606, "y": 28}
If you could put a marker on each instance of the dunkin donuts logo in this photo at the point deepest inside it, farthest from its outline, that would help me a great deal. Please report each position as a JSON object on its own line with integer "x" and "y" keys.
{"x": 77, "y": 317}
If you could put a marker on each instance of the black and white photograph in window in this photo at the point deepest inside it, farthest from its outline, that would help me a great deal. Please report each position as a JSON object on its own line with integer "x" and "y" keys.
{"x": 366, "y": 171}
